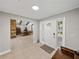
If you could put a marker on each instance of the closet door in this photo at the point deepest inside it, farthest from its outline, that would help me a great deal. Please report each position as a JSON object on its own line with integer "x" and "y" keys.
{"x": 13, "y": 28}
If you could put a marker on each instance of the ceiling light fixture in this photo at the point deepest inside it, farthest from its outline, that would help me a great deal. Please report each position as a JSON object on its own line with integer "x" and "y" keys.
{"x": 36, "y": 8}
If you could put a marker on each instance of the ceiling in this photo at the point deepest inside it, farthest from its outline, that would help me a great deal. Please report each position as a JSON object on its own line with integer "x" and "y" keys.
{"x": 47, "y": 7}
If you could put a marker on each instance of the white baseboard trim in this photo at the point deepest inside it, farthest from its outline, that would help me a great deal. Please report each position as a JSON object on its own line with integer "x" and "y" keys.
{"x": 52, "y": 54}
{"x": 5, "y": 52}
{"x": 42, "y": 42}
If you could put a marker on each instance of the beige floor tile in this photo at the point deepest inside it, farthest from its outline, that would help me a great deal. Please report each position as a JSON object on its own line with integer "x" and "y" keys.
{"x": 24, "y": 48}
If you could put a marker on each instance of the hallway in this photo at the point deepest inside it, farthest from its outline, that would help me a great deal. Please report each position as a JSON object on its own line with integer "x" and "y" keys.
{"x": 23, "y": 48}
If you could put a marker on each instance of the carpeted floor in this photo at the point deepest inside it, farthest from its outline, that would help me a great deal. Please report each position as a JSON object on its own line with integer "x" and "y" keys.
{"x": 47, "y": 48}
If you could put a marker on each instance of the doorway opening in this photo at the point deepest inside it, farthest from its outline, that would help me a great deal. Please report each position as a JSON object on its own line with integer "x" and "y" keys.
{"x": 20, "y": 28}
{"x": 21, "y": 34}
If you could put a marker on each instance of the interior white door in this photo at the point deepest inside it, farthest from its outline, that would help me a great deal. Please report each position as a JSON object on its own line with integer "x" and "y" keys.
{"x": 50, "y": 33}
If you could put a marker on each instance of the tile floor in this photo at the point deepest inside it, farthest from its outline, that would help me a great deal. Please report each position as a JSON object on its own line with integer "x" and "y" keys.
{"x": 23, "y": 48}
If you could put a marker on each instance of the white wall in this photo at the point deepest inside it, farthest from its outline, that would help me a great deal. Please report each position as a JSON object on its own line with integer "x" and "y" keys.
{"x": 5, "y": 43}
{"x": 72, "y": 27}
{"x": 4, "y": 33}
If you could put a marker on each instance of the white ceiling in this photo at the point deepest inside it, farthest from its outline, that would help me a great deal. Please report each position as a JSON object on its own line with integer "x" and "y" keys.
{"x": 47, "y": 7}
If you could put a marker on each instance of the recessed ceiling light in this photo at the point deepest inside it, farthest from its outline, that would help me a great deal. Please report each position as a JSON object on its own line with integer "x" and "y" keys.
{"x": 36, "y": 8}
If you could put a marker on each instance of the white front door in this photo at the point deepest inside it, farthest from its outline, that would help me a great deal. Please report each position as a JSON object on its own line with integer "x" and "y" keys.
{"x": 50, "y": 33}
